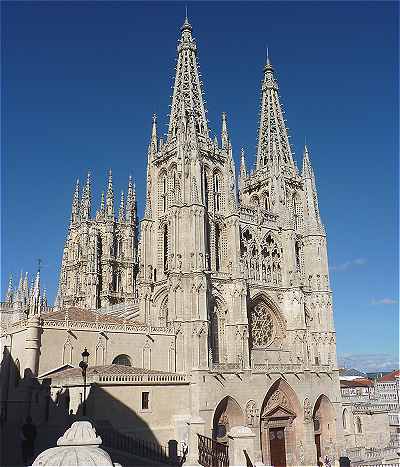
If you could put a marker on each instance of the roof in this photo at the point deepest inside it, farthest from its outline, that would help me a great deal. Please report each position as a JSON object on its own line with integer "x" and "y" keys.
{"x": 102, "y": 370}
{"x": 390, "y": 377}
{"x": 80, "y": 314}
{"x": 351, "y": 372}
{"x": 359, "y": 382}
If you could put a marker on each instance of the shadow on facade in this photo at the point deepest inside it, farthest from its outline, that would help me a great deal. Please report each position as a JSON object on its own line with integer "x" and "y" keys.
{"x": 50, "y": 410}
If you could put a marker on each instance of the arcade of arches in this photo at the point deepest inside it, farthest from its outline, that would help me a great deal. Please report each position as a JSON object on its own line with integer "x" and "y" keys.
{"x": 283, "y": 426}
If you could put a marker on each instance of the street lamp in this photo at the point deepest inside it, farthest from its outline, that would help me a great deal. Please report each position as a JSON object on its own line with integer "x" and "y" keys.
{"x": 83, "y": 364}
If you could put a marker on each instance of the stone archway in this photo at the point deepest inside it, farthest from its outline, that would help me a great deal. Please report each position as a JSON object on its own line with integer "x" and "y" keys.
{"x": 278, "y": 422}
{"x": 324, "y": 419}
{"x": 227, "y": 415}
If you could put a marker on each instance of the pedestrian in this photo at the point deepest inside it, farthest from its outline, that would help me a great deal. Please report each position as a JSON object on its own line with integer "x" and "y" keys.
{"x": 28, "y": 435}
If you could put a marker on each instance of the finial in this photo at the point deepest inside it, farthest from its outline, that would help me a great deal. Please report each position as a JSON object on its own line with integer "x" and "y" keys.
{"x": 268, "y": 65}
{"x": 186, "y": 24}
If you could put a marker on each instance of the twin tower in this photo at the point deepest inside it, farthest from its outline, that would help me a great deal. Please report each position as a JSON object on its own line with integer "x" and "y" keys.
{"x": 208, "y": 240}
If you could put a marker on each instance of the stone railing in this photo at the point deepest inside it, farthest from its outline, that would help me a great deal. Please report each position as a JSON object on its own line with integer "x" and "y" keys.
{"x": 101, "y": 326}
{"x": 277, "y": 368}
{"x": 144, "y": 378}
{"x": 226, "y": 367}
{"x": 321, "y": 368}
{"x": 249, "y": 213}
{"x": 351, "y": 399}
{"x": 123, "y": 379}
{"x": 361, "y": 454}
{"x": 365, "y": 407}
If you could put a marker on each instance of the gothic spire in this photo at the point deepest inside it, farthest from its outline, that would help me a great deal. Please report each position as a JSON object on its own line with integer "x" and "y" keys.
{"x": 75, "y": 204}
{"x": 153, "y": 140}
{"x": 307, "y": 170}
{"x": 102, "y": 205}
{"x": 310, "y": 188}
{"x": 130, "y": 202}
{"x": 224, "y": 132}
{"x": 110, "y": 197}
{"x": 44, "y": 298}
{"x": 187, "y": 98}
{"x": 272, "y": 125}
{"x": 86, "y": 202}
{"x": 10, "y": 290}
{"x": 35, "y": 296}
{"x": 243, "y": 168}
{"x": 121, "y": 212}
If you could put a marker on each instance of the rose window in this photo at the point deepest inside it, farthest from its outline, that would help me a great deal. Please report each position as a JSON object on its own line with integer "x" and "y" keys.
{"x": 262, "y": 326}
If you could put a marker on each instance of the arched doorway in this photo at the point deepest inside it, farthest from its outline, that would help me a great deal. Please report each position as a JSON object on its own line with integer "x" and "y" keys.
{"x": 278, "y": 426}
{"x": 324, "y": 420}
{"x": 227, "y": 415}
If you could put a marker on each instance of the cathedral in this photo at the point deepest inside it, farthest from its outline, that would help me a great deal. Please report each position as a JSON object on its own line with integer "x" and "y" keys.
{"x": 219, "y": 297}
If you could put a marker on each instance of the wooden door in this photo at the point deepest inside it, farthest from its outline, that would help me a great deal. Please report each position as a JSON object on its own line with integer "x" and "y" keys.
{"x": 277, "y": 447}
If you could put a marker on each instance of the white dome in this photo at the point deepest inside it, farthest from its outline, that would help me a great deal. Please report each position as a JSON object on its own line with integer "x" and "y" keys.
{"x": 78, "y": 446}
{"x": 73, "y": 456}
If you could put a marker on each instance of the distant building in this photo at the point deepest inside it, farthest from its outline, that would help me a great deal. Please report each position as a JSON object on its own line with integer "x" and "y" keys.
{"x": 370, "y": 435}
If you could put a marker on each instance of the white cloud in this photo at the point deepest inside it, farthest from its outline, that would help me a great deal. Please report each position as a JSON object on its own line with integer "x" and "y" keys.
{"x": 349, "y": 264}
{"x": 369, "y": 362}
{"x": 383, "y": 301}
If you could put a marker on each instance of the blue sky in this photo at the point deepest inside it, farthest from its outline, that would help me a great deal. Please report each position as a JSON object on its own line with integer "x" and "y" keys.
{"x": 80, "y": 82}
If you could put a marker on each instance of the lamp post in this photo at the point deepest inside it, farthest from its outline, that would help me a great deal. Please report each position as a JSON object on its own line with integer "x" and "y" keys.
{"x": 83, "y": 364}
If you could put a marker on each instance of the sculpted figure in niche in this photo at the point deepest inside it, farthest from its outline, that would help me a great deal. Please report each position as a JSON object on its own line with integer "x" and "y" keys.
{"x": 251, "y": 413}
{"x": 307, "y": 410}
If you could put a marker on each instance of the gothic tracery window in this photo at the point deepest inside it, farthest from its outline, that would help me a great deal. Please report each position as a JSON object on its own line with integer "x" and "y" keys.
{"x": 165, "y": 247}
{"x": 267, "y": 202}
{"x": 163, "y": 192}
{"x": 217, "y": 192}
{"x": 217, "y": 247}
{"x": 262, "y": 326}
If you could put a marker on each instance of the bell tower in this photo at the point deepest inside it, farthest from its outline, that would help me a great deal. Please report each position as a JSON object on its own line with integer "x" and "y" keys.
{"x": 190, "y": 231}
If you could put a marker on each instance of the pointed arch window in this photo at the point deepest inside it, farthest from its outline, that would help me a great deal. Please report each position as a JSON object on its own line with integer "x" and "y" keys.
{"x": 297, "y": 250}
{"x": 165, "y": 247}
{"x": 267, "y": 202}
{"x": 296, "y": 211}
{"x": 217, "y": 247}
{"x": 358, "y": 425}
{"x": 163, "y": 192}
{"x": 17, "y": 378}
{"x": 217, "y": 335}
{"x": 116, "y": 285}
{"x": 217, "y": 192}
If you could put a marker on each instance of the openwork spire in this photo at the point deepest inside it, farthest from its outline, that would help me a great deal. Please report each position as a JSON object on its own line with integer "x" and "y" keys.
{"x": 110, "y": 196}
{"x": 75, "y": 204}
{"x": 310, "y": 188}
{"x": 224, "y": 132}
{"x": 86, "y": 203}
{"x": 307, "y": 170}
{"x": 187, "y": 96}
{"x": 131, "y": 202}
{"x": 273, "y": 134}
{"x": 243, "y": 168}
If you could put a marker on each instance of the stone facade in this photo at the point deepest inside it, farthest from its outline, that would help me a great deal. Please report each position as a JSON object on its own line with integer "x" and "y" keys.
{"x": 230, "y": 281}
